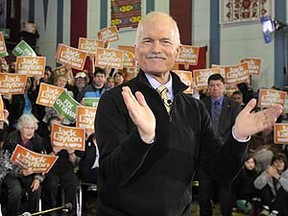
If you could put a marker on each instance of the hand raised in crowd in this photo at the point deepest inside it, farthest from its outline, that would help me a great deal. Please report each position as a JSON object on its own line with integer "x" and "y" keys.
{"x": 26, "y": 172}
{"x": 56, "y": 150}
{"x": 35, "y": 185}
{"x": 272, "y": 171}
{"x": 248, "y": 123}
{"x": 140, "y": 113}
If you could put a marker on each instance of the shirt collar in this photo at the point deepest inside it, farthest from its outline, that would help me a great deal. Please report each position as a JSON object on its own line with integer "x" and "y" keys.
{"x": 221, "y": 99}
{"x": 155, "y": 84}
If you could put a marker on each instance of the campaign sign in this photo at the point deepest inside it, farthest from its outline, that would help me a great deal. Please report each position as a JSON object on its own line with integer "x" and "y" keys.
{"x": 254, "y": 65}
{"x": 12, "y": 83}
{"x": 281, "y": 133}
{"x": 36, "y": 162}
{"x": 23, "y": 49}
{"x": 188, "y": 55}
{"x": 66, "y": 105}
{"x": 1, "y": 109}
{"x": 109, "y": 58}
{"x": 270, "y": 97}
{"x": 91, "y": 102}
{"x": 201, "y": 76}
{"x": 237, "y": 73}
{"x": 3, "y": 50}
{"x": 108, "y": 34}
{"x": 48, "y": 94}
{"x": 31, "y": 66}
{"x": 73, "y": 57}
{"x": 64, "y": 137}
{"x": 186, "y": 78}
{"x": 89, "y": 45}
{"x": 85, "y": 117}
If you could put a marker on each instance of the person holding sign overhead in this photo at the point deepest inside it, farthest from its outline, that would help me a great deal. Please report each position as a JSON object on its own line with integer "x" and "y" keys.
{"x": 150, "y": 146}
{"x": 19, "y": 179}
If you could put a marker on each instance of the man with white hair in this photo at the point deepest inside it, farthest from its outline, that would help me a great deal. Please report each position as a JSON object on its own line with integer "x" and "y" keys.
{"x": 152, "y": 136}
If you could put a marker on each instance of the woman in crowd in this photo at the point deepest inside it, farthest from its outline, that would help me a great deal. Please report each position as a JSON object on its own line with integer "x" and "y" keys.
{"x": 273, "y": 187}
{"x": 19, "y": 179}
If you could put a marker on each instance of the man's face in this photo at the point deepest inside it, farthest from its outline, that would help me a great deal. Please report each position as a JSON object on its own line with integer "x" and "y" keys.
{"x": 99, "y": 80}
{"x": 156, "y": 50}
{"x": 238, "y": 98}
{"x": 216, "y": 88}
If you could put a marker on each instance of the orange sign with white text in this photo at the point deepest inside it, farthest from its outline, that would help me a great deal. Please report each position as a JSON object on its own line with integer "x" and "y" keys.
{"x": 1, "y": 109}
{"x": 71, "y": 56}
{"x": 109, "y": 58}
{"x": 201, "y": 76}
{"x": 48, "y": 94}
{"x": 30, "y": 65}
{"x": 85, "y": 117}
{"x": 237, "y": 73}
{"x": 64, "y": 137}
{"x": 12, "y": 83}
{"x": 89, "y": 45}
{"x": 108, "y": 34}
{"x": 36, "y": 162}
{"x": 186, "y": 78}
{"x": 281, "y": 133}
{"x": 270, "y": 97}
{"x": 2, "y": 44}
{"x": 188, "y": 55}
{"x": 254, "y": 65}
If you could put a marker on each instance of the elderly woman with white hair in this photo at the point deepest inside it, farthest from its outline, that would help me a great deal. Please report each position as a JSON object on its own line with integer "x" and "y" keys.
{"x": 19, "y": 180}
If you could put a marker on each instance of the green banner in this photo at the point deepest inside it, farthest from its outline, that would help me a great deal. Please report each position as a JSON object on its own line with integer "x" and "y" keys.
{"x": 66, "y": 106}
{"x": 23, "y": 49}
{"x": 91, "y": 102}
{"x": 3, "y": 54}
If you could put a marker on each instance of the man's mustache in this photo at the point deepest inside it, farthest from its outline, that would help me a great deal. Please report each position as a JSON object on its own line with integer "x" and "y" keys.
{"x": 155, "y": 55}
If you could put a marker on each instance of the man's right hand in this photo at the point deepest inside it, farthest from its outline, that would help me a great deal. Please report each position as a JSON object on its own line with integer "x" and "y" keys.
{"x": 140, "y": 113}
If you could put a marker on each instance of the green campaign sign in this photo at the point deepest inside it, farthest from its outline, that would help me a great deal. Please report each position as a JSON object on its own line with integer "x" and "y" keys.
{"x": 66, "y": 106}
{"x": 3, "y": 54}
{"x": 91, "y": 102}
{"x": 23, "y": 49}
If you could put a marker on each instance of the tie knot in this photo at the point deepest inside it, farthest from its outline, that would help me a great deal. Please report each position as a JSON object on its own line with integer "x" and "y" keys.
{"x": 162, "y": 89}
{"x": 216, "y": 103}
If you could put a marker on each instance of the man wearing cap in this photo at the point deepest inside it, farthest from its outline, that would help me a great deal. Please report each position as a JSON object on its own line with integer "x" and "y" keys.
{"x": 81, "y": 81}
{"x": 97, "y": 88}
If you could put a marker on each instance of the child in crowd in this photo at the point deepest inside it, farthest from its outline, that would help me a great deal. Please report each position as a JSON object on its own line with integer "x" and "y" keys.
{"x": 273, "y": 187}
{"x": 245, "y": 192}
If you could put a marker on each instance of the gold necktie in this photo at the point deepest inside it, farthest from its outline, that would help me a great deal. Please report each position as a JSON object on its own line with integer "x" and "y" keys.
{"x": 162, "y": 90}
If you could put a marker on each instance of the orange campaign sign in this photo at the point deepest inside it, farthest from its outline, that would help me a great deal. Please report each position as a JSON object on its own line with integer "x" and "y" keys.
{"x": 89, "y": 45}
{"x": 85, "y": 117}
{"x": 2, "y": 44}
{"x": 73, "y": 57}
{"x": 237, "y": 73}
{"x": 109, "y": 58}
{"x": 64, "y": 137}
{"x": 222, "y": 69}
{"x": 186, "y": 78}
{"x": 12, "y": 83}
{"x": 270, "y": 97}
{"x": 230, "y": 89}
{"x": 36, "y": 162}
{"x": 201, "y": 76}
{"x": 108, "y": 34}
{"x": 281, "y": 133}
{"x": 30, "y": 65}
{"x": 254, "y": 65}
{"x": 1, "y": 109}
{"x": 48, "y": 94}
{"x": 188, "y": 55}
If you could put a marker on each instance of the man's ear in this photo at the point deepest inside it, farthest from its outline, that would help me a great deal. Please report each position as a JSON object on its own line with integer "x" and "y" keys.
{"x": 178, "y": 49}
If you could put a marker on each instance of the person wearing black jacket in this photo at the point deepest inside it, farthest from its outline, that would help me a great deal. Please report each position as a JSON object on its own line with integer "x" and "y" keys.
{"x": 149, "y": 150}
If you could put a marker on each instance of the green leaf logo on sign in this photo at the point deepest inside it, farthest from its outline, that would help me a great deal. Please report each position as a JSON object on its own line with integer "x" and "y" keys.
{"x": 23, "y": 49}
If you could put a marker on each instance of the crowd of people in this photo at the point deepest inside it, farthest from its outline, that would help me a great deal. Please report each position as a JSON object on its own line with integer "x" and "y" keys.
{"x": 149, "y": 153}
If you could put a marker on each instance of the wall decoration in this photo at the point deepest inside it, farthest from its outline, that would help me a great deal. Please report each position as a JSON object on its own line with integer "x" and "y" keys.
{"x": 234, "y": 11}
{"x": 125, "y": 13}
